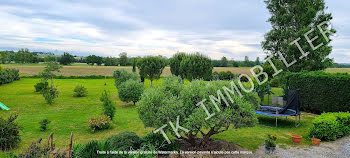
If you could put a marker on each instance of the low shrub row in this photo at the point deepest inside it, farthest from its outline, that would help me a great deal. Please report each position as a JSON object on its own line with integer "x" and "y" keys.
{"x": 222, "y": 75}
{"x": 320, "y": 91}
{"x": 125, "y": 141}
{"x": 8, "y": 75}
{"x": 330, "y": 126}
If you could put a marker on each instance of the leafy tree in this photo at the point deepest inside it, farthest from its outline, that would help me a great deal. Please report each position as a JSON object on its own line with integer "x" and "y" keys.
{"x": 66, "y": 59}
{"x": 123, "y": 59}
{"x": 91, "y": 59}
{"x": 196, "y": 66}
{"x": 130, "y": 90}
{"x": 48, "y": 72}
{"x": 290, "y": 21}
{"x": 121, "y": 75}
{"x": 257, "y": 61}
{"x": 174, "y": 63}
{"x": 9, "y": 133}
{"x": 224, "y": 62}
{"x": 158, "y": 106}
{"x": 151, "y": 67}
{"x": 134, "y": 61}
{"x": 3, "y": 56}
{"x": 110, "y": 61}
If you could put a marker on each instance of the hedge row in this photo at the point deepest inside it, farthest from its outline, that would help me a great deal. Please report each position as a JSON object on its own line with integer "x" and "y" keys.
{"x": 222, "y": 75}
{"x": 330, "y": 126}
{"x": 320, "y": 91}
{"x": 8, "y": 75}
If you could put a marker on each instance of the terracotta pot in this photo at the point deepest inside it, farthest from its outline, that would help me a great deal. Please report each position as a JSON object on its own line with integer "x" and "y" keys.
{"x": 296, "y": 139}
{"x": 315, "y": 141}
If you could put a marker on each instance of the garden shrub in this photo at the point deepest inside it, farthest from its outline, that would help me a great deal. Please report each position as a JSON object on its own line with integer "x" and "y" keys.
{"x": 99, "y": 123}
{"x": 159, "y": 143}
{"x": 88, "y": 150}
{"x": 80, "y": 91}
{"x": 50, "y": 94}
{"x": 108, "y": 106}
{"x": 330, "y": 126}
{"x": 320, "y": 91}
{"x": 36, "y": 150}
{"x": 9, "y": 133}
{"x": 130, "y": 90}
{"x": 121, "y": 75}
{"x": 123, "y": 141}
{"x": 172, "y": 84}
{"x": 41, "y": 86}
{"x": 8, "y": 75}
{"x": 222, "y": 75}
{"x": 43, "y": 124}
{"x": 196, "y": 66}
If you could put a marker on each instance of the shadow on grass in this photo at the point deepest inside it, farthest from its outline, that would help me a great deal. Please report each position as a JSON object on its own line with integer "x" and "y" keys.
{"x": 282, "y": 122}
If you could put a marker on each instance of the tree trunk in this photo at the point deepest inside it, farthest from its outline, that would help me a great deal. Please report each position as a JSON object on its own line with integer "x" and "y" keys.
{"x": 151, "y": 83}
{"x": 51, "y": 82}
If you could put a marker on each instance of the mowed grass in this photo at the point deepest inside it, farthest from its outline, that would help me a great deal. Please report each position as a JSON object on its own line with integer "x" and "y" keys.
{"x": 69, "y": 114}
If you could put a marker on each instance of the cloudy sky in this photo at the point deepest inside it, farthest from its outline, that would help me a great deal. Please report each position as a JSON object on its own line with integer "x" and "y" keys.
{"x": 231, "y": 28}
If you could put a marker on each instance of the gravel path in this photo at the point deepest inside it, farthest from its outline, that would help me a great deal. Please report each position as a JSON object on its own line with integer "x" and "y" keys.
{"x": 336, "y": 149}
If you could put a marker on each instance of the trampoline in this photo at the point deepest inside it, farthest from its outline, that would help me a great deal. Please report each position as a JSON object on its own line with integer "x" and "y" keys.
{"x": 292, "y": 108}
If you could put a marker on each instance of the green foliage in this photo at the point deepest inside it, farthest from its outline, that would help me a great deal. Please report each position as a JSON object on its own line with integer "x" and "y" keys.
{"x": 66, "y": 59}
{"x": 36, "y": 150}
{"x": 25, "y": 56}
{"x": 159, "y": 143}
{"x": 110, "y": 61}
{"x": 8, "y": 75}
{"x": 270, "y": 141}
{"x": 50, "y": 94}
{"x": 320, "y": 91}
{"x": 108, "y": 106}
{"x": 172, "y": 84}
{"x": 93, "y": 59}
{"x": 88, "y": 150}
{"x": 80, "y": 91}
{"x": 196, "y": 66}
{"x": 98, "y": 123}
{"x": 123, "y": 141}
{"x": 43, "y": 124}
{"x": 123, "y": 59}
{"x": 130, "y": 90}
{"x": 330, "y": 126}
{"x": 9, "y": 133}
{"x": 151, "y": 67}
{"x": 121, "y": 75}
{"x": 290, "y": 20}
{"x": 157, "y": 107}
{"x": 41, "y": 86}
{"x": 222, "y": 75}
{"x": 134, "y": 62}
{"x": 175, "y": 62}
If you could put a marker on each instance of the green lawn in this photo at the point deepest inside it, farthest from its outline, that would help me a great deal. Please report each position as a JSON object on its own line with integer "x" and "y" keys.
{"x": 69, "y": 114}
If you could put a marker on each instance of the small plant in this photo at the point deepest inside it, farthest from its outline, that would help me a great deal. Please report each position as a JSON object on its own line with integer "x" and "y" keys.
{"x": 43, "y": 124}
{"x": 108, "y": 105}
{"x": 270, "y": 143}
{"x": 80, "y": 91}
{"x": 41, "y": 86}
{"x": 123, "y": 141}
{"x": 50, "y": 94}
{"x": 99, "y": 123}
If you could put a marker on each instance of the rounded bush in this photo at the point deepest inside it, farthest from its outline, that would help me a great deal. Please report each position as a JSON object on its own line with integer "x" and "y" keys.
{"x": 123, "y": 141}
{"x": 9, "y": 133}
{"x": 80, "y": 91}
{"x": 130, "y": 90}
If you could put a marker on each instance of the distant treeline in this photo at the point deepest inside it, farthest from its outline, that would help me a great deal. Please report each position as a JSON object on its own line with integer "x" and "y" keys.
{"x": 25, "y": 56}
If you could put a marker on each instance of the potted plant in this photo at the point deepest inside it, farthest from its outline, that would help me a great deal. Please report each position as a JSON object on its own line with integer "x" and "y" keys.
{"x": 270, "y": 144}
{"x": 296, "y": 139}
{"x": 315, "y": 141}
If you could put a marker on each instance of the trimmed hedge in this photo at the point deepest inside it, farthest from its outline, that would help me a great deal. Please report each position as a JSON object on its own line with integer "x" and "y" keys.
{"x": 330, "y": 126}
{"x": 8, "y": 75}
{"x": 320, "y": 91}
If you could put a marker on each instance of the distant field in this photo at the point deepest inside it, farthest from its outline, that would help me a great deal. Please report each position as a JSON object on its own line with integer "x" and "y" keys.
{"x": 82, "y": 69}
{"x": 86, "y": 70}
